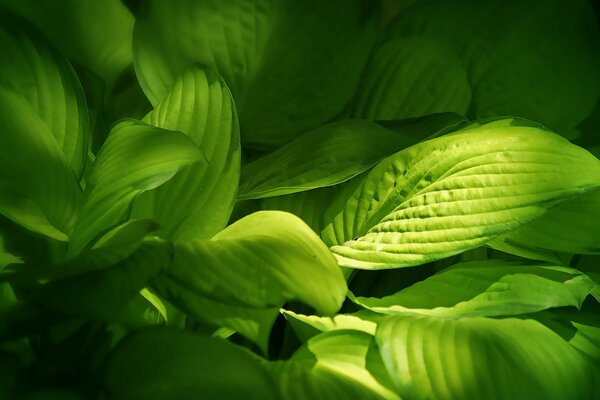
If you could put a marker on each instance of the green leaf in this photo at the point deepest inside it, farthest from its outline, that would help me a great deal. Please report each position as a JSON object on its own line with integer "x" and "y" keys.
{"x": 307, "y": 88}
{"x": 47, "y": 81}
{"x": 95, "y": 35}
{"x": 537, "y": 60}
{"x": 412, "y": 77}
{"x": 454, "y": 193}
{"x": 351, "y": 354}
{"x": 162, "y": 363}
{"x": 136, "y": 157}
{"x": 38, "y": 189}
{"x": 197, "y": 202}
{"x": 480, "y": 358}
{"x": 567, "y": 228}
{"x": 307, "y": 326}
{"x": 487, "y": 288}
{"x": 260, "y": 262}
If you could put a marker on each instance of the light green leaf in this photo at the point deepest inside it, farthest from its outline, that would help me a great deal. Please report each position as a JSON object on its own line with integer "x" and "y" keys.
{"x": 243, "y": 39}
{"x": 136, "y": 157}
{"x": 454, "y": 193}
{"x": 570, "y": 227}
{"x": 96, "y": 35}
{"x": 197, "y": 202}
{"x": 487, "y": 288}
{"x": 162, "y": 363}
{"x": 412, "y": 77}
{"x": 479, "y": 358}
{"x": 260, "y": 262}
{"x": 38, "y": 189}
{"x": 47, "y": 81}
{"x": 307, "y": 326}
{"x": 537, "y": 60}
{"x": 351, "y": 354}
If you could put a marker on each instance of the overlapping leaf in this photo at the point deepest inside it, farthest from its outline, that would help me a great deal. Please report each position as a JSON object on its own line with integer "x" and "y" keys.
{"x": 487, "y": 288}
{"x": 166, "y": 363}
{"x": 279, "y": 93}
{"x": 430, "y": 357}
{"x": 197, "y": 202}
{"x": 454, "y": 193}
{"x": 259, "y": 262}
{"x": 136, "y": 157}
{"x": 410, "y": 78}
{"x": 535, "y": 60}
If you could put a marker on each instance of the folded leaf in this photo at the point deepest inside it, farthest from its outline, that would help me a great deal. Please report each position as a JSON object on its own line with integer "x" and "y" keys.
{"x": 481, "y": 358}
{"x": 38, "y": 189}
{"x": 197, "y": 202}
{"x": 136, "y": 157}
{"x": 410, "y": 78}
{"x": 243, "y": 39}
{"x": 44, "y": 77}
{"x": 162, "y": 363}
{"x": 307, "y": 326}
{"x": 454, "y": 193}
{"x": 487, "y": 288}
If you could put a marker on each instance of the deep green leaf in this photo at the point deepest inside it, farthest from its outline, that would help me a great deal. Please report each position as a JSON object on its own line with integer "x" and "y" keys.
{"x": 38, "y": 189}
{"x": 197, "y": 202}
{"x": 47, "y": 81}
{"x": 480, "y": 358}
{"x": 537, "y": 60}
{"x": 279, "y": 93}
{"x": 454, "y": 193}
{"x": 162, "y": 363}
{"x": 136, "y": 157}
{"x": 410, "y": 78}
{"x": 487, "y": 288}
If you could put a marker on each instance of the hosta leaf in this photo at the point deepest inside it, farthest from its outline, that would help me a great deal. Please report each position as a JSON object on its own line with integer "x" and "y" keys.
{"x": 95, "y": 35}
{"x": 46, "y": 80}
{"x": 136, "y": 157}
{"x": 161, "y": 363}
{"x": 502, "y": 43}
{"x": 481, "y": 358}
{"x": 299, "y": 381}
{"x": 412, "y": 77}
{"x": 197, "y": 202}
{"x": 306, "y": 326}
{"x": 569, "y": 227}
{"x": 351, "y": 354}
{"x": 243, "y": 39}
{"x": 454, "y": 193}
{"x": 38, "y": 189}
{"x": 487, "y": 288}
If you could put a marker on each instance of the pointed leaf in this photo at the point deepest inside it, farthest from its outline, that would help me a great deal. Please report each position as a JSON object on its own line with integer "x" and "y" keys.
{"x": 197, "y": 202}
{"x": 248, "y": 43}
{"x": 487, "y": 288}
{"x": 136, "y": 157}
{"x": 454, "y": 193}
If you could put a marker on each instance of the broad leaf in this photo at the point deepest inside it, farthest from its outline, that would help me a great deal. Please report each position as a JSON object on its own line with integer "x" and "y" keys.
{"x": 136, "y": 157}
{"x": 487, "y": 288}
{"x": 537, "y": 60}
{"x": 197, "y": 202}
{"x": 242, "y": 40}
{"x": 47, "y": 81}
{"x": 481, "y": 358}
{"x": 95, "y": 35}
{"x": 161, "y": 363}
{"x": 410, "y": 78}
{"x": 38, "y": 189}
{"x": 307, "y": 326}
{"x": 260, "y": 262}
{"x": 454, "y": 193}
